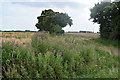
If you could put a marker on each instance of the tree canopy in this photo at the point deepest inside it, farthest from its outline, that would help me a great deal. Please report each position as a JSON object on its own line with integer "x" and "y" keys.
{"x": 53, "y": 21}
{"x": 107, "y": 14}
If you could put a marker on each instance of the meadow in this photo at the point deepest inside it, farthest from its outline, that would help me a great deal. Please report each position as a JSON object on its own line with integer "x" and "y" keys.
{"x": 41, "y": 55}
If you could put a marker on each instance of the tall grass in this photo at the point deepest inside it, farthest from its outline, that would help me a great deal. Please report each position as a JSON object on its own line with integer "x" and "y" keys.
{"x": 82, "y": 59}
{"x": 107, "y": 42}
{"x": 57, "y": 57}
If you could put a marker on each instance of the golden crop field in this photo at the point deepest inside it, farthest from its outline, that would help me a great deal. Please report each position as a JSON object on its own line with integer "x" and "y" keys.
{"x": 29, "y": 34}
{"x": 17, "y": 34}
{"x": 24, "y": 37}
{"x": 90, "y": 35}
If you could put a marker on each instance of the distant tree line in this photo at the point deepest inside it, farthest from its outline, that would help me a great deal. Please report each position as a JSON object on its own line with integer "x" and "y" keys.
{"x": 107, "y": 14}
{"x": 17, "y": 31}
{"x": 80, "y": 32}
{"x": 86, "y": 32}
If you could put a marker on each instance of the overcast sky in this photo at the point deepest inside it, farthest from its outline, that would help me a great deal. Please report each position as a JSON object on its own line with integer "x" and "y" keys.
{"x": 22, "y": 14}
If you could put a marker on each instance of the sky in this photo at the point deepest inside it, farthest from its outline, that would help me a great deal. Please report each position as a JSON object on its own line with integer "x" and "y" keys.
{"x": 22, "y": 14}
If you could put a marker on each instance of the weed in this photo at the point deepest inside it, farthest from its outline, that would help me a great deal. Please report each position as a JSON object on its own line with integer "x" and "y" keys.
{"x": 57, "y": 57}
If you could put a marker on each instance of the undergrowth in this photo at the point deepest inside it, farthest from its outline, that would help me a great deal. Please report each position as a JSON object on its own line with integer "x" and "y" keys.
{"x": 57, "y": 57}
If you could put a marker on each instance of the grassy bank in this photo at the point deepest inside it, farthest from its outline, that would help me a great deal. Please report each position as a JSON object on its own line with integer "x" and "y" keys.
{"x": 107, "y": 42}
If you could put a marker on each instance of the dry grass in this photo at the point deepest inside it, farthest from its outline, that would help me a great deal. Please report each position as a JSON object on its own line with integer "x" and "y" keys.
{"x": 90, "y": 35}
{"x": 24, "y": 37}
{"x": 17, "y": 34}
{"x": 0, "y": 33}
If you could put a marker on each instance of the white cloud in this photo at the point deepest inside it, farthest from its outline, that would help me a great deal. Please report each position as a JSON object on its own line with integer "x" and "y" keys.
{"x": 0, "y": 15}
{"x": 18, "y": 16}
{"x": 36, "y": 0}
{"x": 80, "y": 1}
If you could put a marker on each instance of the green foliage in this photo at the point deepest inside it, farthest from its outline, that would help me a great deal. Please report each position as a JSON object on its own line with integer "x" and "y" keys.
{"x": 53, "y": 21}
{"x": 80, "y": 61}
{"x": 61, "y": 57}
{"x": 107, "y": 15}
{"x": 107, "y": 42}
{"x": 56, "y": 29}
{"x": 17, "y": 61}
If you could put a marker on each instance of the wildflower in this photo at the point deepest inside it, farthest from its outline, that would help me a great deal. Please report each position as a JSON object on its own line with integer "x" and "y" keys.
{"x": 8, "y": 41}
{"x": 20, "y": 44}
{"x": 13, "y": 51}
{"x": 59, "y": 52}
{"x": 0, "y": 46}
{"x": 31, "y": 47}
{"x": 54, "y": 50}
{"x": 49, "y": 52}
{"x": 14, "y": 46}
{"x": 1, "y": 50}
{"x": 13, "y": 40}
{"x": 0, "y": 41}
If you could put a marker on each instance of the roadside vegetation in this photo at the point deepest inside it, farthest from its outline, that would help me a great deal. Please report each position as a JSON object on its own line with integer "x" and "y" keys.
{"x": 51, "y": 56}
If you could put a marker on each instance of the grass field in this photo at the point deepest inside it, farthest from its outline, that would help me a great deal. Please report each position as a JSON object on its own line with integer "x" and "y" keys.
{"x": 73, "y": 55}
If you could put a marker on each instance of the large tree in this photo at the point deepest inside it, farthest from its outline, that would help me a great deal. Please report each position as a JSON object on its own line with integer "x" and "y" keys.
{"x": 107, "y": 14}
{"x": 53, "y": 21}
